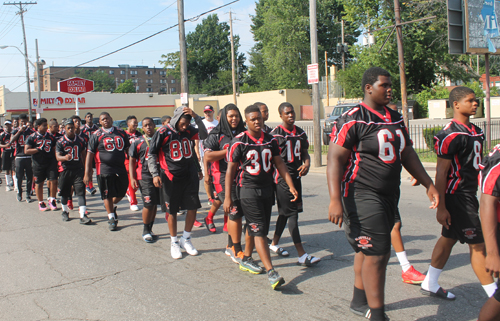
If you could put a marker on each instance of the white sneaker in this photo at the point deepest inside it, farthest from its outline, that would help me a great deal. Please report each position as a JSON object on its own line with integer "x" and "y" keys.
{"x": 134, "y": 208}
{"x": 175, "y": 250}
{"x": 188, "y": 246}
{"x": 8, "y": 188}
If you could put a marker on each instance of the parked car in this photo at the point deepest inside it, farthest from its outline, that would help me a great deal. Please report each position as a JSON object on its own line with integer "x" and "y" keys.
{"x": 120, "y": 124}
{"x": 336, "y": 113}
{"x": 156, "y": 120}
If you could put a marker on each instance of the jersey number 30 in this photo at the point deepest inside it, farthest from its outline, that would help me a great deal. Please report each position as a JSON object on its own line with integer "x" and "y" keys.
{"x": 386, "y": 151}
{"x": 254, "y": 158}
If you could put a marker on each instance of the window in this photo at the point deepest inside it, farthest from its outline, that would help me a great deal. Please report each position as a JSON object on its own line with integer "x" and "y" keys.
{"x": 122, "y": 80}
{"x": 149, "y": 81}
{"x": 122, "y": 72}
{"x": 111, "y": 72}
{"x": 173, "y": 81}
{"x": 149, "y": 72}
{"x": 135, "y": 81}
{"x": 163, "y": 73}
{"x": 497, "y": 83}
{"x": 136, "y": 88}
{"x": 163, "y": 81}
{"x": 163, "y": 90}
{"x": 133, "y": 72}
{"x": 172, "y": 90}
{"x": 149, "y": 90}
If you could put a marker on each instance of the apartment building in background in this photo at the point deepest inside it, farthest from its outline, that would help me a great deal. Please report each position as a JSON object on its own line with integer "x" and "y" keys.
{"x": 145, "y": 79}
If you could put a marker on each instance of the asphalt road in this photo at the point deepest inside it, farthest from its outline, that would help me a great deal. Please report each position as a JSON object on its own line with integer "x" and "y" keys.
{"x": 58, "y": 270}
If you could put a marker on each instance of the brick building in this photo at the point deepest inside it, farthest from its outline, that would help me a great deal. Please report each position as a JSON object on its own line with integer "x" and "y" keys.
{"x": 145, "y": 79}
{"x": 494, "y": 81}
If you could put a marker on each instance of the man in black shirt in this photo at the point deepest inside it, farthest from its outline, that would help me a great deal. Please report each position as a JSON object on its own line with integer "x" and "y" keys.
{"x": 7, "y": 155}
{"x": 23, "y": 161}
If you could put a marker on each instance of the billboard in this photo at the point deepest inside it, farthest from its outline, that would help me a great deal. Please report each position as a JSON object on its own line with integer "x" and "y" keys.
{"x": 481, "y": 26}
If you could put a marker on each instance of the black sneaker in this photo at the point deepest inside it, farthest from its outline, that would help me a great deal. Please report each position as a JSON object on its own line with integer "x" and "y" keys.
{"x": 112, "y": 224}
{"x": 85, "y": 220}
{"x": 28, "y": 199}
{"x": 65, "y": 216}
{"x": 19, "y": 198}
{"x": 275, "y": 279}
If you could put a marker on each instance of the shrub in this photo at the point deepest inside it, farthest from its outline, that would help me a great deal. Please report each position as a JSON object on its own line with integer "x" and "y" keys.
{"x": 429, "y": 134}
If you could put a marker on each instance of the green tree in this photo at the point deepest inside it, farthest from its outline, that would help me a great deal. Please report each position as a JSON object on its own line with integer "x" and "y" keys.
{"x": 281, "y": 29}
{"x": 125, "y": 87}
{"x": 208, "y": 58}
{"x": 102, "y": 81}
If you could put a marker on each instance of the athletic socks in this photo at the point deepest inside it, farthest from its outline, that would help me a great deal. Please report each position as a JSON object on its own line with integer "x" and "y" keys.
{"x": 490, "y": 289}
{"x": 111, "y": 215}
{"x": 431, "y": 281}
{"x": 186, "y": 235}
{"x": 8, "y": 178}
{"x": 174, "y": 239}
{"x": 403, "y": 261}
{"x": 210, "y": 216}
{"x": 237, "y": 248}
{"x": 377, "y": 314}
{"x": 146, "y": 229}
{"x": 82, "y": 210}
{"x": 229, "y": 241}
{"x": 358, "y": 299}
{"x": 302, "y": 259}
{"x": 65, "y": 208}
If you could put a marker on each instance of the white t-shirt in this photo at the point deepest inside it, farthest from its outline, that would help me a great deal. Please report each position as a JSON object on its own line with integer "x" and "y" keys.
{"x": 209, "y": 125}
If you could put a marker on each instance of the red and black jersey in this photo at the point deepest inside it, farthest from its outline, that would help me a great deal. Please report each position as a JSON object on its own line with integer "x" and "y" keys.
{"x": 84, "y": 136}
{"x": 266, "y": 129}
{"x": 88, "y": 130}
{"x": 291, "y": 144}
{"x": 4, "y": 139}
{"x": 139, "y": 149}
{"x": 489, "y": 176}
{"x": 134, "y": 136}
{"x": 376, "y": 140}
{"x": 463, "y": 145}
{"x": 75, "y": 147}
{"x": 255, "y": 159}
{"x": 218, "y": 142}
{"x": 109, "y": 149}
{"x": 46, "y": 145}
{"x": 174, "y": 150}
{"x": 57, "y": 135}
{"x": 20, "y": 142}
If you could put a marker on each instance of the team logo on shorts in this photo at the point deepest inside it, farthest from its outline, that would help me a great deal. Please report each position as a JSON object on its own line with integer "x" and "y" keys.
{"x": 147, "y": 199}
{"x": 254, "y": 227}
{"x": 470, "y": 233}
{"x": 105, "y": 192}
{"x": 364, "y": 242}
{"x": 167, "y": 205}
{"x": 234, "y": 210}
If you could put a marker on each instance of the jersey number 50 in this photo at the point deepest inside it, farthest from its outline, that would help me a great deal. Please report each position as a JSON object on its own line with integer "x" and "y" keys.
{"x": 386, "y": 151}
{"x": 254, "y": 158}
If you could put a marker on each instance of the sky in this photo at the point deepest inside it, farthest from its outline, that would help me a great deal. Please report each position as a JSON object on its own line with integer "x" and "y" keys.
{"x": 72, "y": 32}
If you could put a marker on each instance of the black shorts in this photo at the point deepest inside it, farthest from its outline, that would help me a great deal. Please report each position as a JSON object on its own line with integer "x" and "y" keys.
{"x": 369, "y": 218}
{"x": 72, "y": 178}
{"x": 150, "y": 193}
{"x": 256, "y": 205}
{"x": 112, "y": 185}
{"x": 284, "y": 197}
{"x": 46, "y": 172}
{"x": 236, "y": 212}
{"x": 7, "y": 160}
{"x": 465, "y": 224}
{"x": 180, "y": 193}
{"x": 213, "y": 193}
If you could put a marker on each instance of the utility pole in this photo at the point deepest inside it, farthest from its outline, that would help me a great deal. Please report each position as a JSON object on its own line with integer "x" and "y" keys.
{"x": 21, "y": 12}
{"x": 487, "y": 102}
{"x": 39, "y": 66}
{"x": 315, "y": 87}
{"x": 401, "y": 62}
{"x": 233, "y": 71}
{"x": 343, "y": 49}
{"x": 183, "y": 53}
{"x": 327, "y": 81}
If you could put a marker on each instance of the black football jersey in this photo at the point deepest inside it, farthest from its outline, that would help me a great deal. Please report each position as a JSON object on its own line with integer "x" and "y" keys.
{"x": 376, "y": 141}
{"x": 139, "y": 149}
{"x": 254, "y": 157}
{"x": 46, "y": 144}
{"x": 76, "y": 147}
{"x": 109, "y": 150}
{"x": 21, "y": 141}
{"x": 84, "y": 136}
{"x": 4, "y": 139}
{"x": 489, "y": 176}
{"x": 174, "y": 150}
{"x": 89, "y": 130}
{"x": 57, "y": 135}
{"x": 266, "y": 129}
{"x": 291, "y": 144}
{"x": 218, "y": 142}
{"x": 462, "y": 145}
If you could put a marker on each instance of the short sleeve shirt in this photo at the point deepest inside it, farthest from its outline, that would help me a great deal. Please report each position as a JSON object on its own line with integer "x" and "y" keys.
{"x": 4, "y": 139}
{"x": 88, "y": 130}
{"x": 376, "y": 140}
{"x": 21, "y": 141}
{"x": 254, "y": 157}
{"x": 462, "y": 145}
{"x": 174, "y": 150}
{"x": 489, "y": 176}
{"x": 75, "y": 147}
{"x": 218, "y": 142}
{"x": 109, "y": 150}
{"x": 139, "y": 149}
{"x": 291, "y": 144}
{"x": 46, "y": 144}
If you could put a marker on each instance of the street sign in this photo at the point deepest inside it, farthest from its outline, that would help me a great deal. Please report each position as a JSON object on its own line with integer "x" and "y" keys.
{"x": 184, "y": 98}
{"x": 75, "y": 86}
{"x": 312, "y": 74}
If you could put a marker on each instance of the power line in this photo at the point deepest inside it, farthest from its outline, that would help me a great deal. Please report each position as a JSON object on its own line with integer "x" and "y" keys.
{"x": 151, "y": 36}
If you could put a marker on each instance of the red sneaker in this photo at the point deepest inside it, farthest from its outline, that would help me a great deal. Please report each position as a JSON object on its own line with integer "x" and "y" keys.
{"x": 412, "y": 276}
{"x": 70, "y": 204}
{"x": 197, "y": 224}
